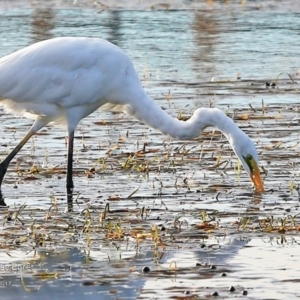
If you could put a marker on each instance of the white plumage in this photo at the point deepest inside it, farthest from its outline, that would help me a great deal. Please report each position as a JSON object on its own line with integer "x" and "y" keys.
{"x": 65, "y": 79}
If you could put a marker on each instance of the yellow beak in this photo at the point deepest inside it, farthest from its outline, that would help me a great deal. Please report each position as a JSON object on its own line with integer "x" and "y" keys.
{"x": 255, "y": 178}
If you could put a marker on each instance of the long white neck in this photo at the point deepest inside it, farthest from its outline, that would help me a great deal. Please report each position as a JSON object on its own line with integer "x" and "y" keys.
{"x": 149, "y": 112}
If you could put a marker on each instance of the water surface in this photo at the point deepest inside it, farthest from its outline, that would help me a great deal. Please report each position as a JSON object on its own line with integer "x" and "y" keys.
{"x": 220, "y": 55}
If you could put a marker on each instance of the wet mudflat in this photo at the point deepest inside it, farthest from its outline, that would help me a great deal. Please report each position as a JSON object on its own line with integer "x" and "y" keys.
{"x": 155, "y": 217}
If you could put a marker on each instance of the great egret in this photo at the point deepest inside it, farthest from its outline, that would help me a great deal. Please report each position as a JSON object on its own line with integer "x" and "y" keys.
{"x": 65, "y": 79}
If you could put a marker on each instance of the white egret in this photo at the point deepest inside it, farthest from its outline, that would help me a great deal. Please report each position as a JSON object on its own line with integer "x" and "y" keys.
{"x": 66, "y": 79}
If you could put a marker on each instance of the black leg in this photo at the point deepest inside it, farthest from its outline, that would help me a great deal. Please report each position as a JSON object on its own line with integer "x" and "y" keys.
{"x": 70, "y": 184}
{"x": 38, "y": 124}
{"x": 5, "y": 163}
{"x": 3, "y": 169}
{"x": 2, "y": 202}
{"x": 70, "y": 202}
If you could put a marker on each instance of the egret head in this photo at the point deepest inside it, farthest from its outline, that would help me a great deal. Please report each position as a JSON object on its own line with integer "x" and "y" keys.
{"x": 246, "y": 151}
{"x": 240, "y": 142}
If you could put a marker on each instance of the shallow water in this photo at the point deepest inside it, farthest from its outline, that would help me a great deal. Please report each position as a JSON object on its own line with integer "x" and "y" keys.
{"x": 221, "y": 55}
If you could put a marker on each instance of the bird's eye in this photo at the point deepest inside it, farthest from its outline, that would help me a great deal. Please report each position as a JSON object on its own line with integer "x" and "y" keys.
{"x": 249, "y": 159}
